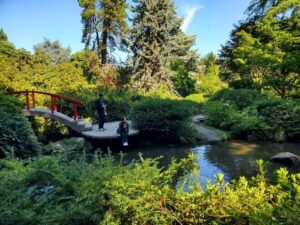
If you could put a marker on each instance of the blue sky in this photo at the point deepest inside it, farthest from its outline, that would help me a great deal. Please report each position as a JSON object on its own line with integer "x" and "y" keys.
{"x": 27, "y": 22}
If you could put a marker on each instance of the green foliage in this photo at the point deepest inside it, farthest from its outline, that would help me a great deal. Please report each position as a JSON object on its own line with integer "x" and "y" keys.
{"x": 89, "y": 62}
{"x": 16, "y": 136}
{"x": 199, "y": 98}
{"x": 34, "y": 72}
{"x": 118, "y": 103}
{"x": 244, "y": 112}
{"x": 104, "y": 26}
{"x": 240, "y": 98}
{"x": 220, "y": 114}
{"x": 56, "y": 190}
{"x": 183, "y": 83}
{"x": 161, "y": 91}
{"x": 282, "y": 114}
{"x": 272, "y": 57}
{"x": 208, "y": 80}
{"x": 48, "y": 130}
{"x": 53, "y": 50}
{"x": 6, "y": 47}
{"x": 164, "y": 117}
{"x": 156, "y": 39}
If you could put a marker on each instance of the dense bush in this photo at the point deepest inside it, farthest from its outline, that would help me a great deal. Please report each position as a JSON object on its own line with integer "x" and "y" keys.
{"x": 220, "y": 114}
{"x": 118, "y": 103}
{"x": 265, "y": 118}
{"x": 164, "y": 117}
{"x": 199, "y": 98}
{"x": 282, "y": 114}
{"x": 241, "y": 98}
{"x": 54, "y": 191}
{"x": 161, "y": 91}
{"x": 16, "y": 136}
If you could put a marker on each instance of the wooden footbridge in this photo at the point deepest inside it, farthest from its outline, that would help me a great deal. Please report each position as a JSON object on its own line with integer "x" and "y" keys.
{"x": 84, "y": 128}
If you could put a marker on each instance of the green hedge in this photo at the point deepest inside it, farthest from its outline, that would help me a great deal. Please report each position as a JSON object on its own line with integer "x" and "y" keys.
{"x": 256, "y": 114}
{"x": 53, "y": 191}
{"x": 199, "y": 98}
{"x": 241, "y": 98}
{"x": 118, "y": 103}
{"x": 163, "y": 117}
{"x": 16, "y": 136}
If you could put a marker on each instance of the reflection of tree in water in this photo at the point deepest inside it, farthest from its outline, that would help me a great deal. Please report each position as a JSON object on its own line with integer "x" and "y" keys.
{"x": 238, "y": 158}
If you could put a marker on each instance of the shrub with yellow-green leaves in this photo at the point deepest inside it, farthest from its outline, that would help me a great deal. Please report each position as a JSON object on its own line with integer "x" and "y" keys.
{"x": 56, "y": 190}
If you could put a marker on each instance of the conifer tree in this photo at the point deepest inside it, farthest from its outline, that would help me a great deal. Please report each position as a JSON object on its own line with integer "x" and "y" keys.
{"x": 104, "y": 24}
{"x": 155, "y": 39}
{"x": 53, "y": 50}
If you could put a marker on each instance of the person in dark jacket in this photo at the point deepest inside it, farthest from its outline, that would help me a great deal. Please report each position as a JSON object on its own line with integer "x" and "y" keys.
{"x": 100, "y": 105}
{"x": 123, "y": 131}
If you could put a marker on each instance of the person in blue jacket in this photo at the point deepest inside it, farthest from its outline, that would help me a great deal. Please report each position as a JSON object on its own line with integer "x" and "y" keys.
{"x": 100, "y": 105}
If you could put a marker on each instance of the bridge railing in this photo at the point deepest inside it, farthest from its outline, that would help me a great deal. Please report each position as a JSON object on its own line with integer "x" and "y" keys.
{"x": 30, "y": 101}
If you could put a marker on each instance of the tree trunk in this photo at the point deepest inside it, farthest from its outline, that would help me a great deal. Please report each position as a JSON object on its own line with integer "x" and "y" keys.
{"x": 104, "y": 43}
{"x": 98, "y": 45}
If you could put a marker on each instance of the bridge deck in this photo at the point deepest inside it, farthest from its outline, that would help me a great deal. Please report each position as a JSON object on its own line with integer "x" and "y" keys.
{"x": 109, "y": 133}
{"x": 84, "y": 128}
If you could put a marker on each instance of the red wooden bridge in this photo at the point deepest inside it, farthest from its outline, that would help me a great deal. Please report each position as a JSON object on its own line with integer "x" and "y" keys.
{"x": 86, "y": 129}
{"x": 30, "y": 101}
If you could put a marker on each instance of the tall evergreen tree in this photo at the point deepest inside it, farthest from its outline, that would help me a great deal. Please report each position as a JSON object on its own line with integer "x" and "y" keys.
{"x": 104, "y": 24}
{"x": 156, "y": 38}
{"x": 258, "y": 8}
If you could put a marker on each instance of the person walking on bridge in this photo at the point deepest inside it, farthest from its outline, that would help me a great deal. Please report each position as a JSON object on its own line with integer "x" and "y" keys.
{"x": 100, "y": 105}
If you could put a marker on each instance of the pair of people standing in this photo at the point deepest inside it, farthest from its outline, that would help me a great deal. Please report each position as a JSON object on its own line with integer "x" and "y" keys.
{"x": 123, "y": 128}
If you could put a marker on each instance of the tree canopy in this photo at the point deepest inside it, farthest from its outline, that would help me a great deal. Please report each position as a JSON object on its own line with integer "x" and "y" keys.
{"x": 264, "y": 50}
{"x": 53, "y": 50}
{"x": 104, "y": 26}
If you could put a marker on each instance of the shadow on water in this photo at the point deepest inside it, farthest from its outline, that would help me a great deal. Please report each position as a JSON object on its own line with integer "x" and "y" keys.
{"x": 138, "y": 146}
{"x": 233, "y": 158}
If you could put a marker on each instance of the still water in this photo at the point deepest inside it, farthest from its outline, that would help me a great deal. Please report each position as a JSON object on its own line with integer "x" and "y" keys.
{"x": 233, "y": 158}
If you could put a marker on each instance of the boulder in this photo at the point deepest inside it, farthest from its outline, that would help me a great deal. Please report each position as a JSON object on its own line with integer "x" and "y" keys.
{"x": 287, "y": 158}
{"x": 80, "y": 141}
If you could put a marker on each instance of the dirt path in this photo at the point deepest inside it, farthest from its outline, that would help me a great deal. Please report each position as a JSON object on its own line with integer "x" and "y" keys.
{"x": 207, "y": 135}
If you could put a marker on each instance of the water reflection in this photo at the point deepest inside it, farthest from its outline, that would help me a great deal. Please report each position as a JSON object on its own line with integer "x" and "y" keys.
{"x": 238, "y": 158}
{"x": 233, "y": 159}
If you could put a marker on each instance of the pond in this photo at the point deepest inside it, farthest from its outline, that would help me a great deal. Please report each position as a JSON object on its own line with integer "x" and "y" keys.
{"x": 233, "y": 158}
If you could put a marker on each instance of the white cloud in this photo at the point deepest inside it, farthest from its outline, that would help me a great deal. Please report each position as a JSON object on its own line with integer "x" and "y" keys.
{"x": 189, "y": 12}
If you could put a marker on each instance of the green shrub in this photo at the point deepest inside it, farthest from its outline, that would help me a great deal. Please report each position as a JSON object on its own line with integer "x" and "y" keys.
{"x": 164, "y": 117}
{"x": 241, "y": 98}
{"x": 282, "y": 114}
{"x": 118, "y": 103}
{"x": 16, "y": 136}
{"x": 220, "y": 114}
{"x": 249, "y": 121}
{"x": 199, "y": 98}
{"x": 161, "y": 91}
{"x": 51, "y": 190}
{"x": 256, "y": 114}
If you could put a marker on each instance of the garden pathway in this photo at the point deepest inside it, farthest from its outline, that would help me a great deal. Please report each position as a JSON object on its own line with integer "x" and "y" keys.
{"x": 109, "y": 133}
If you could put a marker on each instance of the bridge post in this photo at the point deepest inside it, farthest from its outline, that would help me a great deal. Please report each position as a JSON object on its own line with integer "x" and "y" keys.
{"x": 53, "y": 103}
{"x": 75, "y": 111}
{"x": 27, "y": 100}
{"x": 33, "y": 99}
